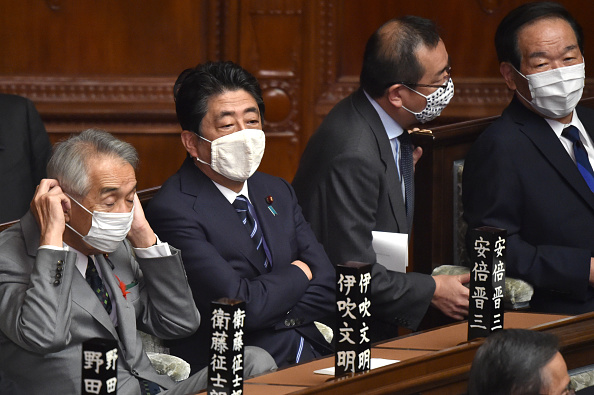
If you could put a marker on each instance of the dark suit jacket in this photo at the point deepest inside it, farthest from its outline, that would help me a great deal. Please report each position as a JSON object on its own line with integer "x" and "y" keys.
{"x": 347, "y": 184}
{"x": 220, "y": 260}
{"x": 519, "y": 177}
{"x": 43, "y": 325}
{"x": 24, "y": 151}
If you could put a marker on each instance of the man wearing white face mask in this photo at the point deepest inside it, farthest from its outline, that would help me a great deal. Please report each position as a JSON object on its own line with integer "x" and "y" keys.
{"x": 84, "y": 263}
{"x": 531, "y": 172}
{"x": 356, "y": 174}
{"x": 241, "y": 232}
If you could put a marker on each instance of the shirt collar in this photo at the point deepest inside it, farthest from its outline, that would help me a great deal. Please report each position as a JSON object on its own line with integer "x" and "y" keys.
{"x": 232, "y": 195}
{"x": 558, "y": 126}
{"x": 81, "y": 260}
{"x": 393, "y": 129}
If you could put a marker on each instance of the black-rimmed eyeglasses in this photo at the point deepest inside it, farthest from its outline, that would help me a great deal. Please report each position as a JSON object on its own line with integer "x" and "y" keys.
{"x": 415, "y": 84}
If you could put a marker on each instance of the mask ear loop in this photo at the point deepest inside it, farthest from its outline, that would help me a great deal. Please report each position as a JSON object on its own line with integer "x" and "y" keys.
{"x": 76, "y": 201}
{"x": 197, "y": 158}
{"x": 74, "y": 230}
{"x": 420, "y": 94}
{"x": 523, "y": 76}
{"x": 201, "y": 161}
{"x": 522, "y": 96}
{"x": 518, "y": 71}
{"x": 81, "y": 206}
{"x": 426, "y": 97}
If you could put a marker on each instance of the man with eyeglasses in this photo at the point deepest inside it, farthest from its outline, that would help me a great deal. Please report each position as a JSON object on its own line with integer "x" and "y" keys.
{"x": 531, "y": 171}
{"x": 356, "y": 174}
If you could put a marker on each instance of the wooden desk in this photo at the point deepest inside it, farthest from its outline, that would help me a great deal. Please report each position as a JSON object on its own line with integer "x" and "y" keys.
{"x": 456, "y": 334}
{"x": 435, "y": 361}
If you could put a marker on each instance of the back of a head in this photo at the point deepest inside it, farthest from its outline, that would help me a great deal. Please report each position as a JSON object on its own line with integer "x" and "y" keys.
{"x": 510, "y": 362}
{"x": 195, "y": 86}
{"x": 390, "y": 53}
{"x": 506, "y": 36}
{"x": 68, "y": 163}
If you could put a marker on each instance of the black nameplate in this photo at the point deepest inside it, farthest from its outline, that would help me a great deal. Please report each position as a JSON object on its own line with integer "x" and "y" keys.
{"x": 225, "y": 370}
{"x": 487, "y": 281}
{"x": 99, "y": 366}
{"x": 353, "y": 309}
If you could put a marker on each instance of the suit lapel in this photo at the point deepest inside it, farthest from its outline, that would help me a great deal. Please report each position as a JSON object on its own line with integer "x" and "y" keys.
{"x": 125, "y": 311}
{"x": 545, "y": 140}
{"x": 587, "y": 120}
{"x": 210, "y": 200}
{"x": 366, "y": 109}
{"x": 268, "y": 221}
{"x": 83, "y": 295}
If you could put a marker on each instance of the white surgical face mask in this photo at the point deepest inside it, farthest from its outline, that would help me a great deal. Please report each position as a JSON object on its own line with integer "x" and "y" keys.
{"x": 107, "y": 229}
{"x": 556, "y": 92}
{"x": 436, "y": 102}
{"x": 236, "y": 155}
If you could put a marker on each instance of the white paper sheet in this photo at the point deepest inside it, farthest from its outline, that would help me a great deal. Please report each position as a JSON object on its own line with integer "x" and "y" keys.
{"x": 375, "y": 363}
{"x": 391, "y": 250}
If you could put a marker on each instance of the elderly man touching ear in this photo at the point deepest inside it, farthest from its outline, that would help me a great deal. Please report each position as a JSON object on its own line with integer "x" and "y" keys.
{"x": 62, "y": 268}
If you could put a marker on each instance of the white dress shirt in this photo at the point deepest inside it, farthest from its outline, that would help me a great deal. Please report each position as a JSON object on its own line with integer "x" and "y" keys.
{"x": 567, "y": 144}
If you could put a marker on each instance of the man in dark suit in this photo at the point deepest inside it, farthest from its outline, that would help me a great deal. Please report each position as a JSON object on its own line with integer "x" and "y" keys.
{"x": 241, "y": 232}
{"x": 24, "y": 151}
{"x": 356, "y": 174}
{"x": 528, "y": 172}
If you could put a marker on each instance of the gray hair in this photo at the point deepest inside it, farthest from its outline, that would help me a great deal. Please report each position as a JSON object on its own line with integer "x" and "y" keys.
{"x": 68, "y": 163}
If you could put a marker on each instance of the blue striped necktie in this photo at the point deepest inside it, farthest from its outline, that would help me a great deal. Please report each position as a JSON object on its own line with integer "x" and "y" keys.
{"x": 581, "y": 156}
{"x": 246, "y": 213}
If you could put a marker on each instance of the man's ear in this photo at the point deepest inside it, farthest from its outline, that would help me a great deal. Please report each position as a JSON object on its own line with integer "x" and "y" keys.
{"x": 509, "y": 74}
{"x": 190, "y": 142}
{"x": 67, "y": 208}
{"x": 393, "y": 95}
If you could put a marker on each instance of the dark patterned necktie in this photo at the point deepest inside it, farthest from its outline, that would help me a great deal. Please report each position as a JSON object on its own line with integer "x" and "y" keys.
{"x": 407, "y": 171}
{"x": 97, "y": 285}
{"x": 581, "y": 156}
{"x": 148, "y": 387}
{"x": 245, "y": 211}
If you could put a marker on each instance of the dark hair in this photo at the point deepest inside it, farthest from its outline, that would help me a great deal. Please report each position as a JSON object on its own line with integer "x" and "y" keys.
{"x": 510, "y": 362}
{"x": 390, "y": 53}
{"x": 506, "y": 36}
{"x": 195, "y": 86}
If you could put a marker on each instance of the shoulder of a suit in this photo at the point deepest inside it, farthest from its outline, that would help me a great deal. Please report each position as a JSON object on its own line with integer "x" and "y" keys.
{"x": 260, "y": 182}
{"x": 258, "y": 176}
{"x": 585, "y": 112}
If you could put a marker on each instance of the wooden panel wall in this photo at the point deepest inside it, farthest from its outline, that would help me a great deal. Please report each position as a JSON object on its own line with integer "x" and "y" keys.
{"x": 467, "y": 28}
{"x": 112, "y": 63}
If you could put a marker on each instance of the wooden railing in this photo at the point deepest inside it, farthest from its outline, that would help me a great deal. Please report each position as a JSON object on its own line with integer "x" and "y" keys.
{"x": 447, "y": 371}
